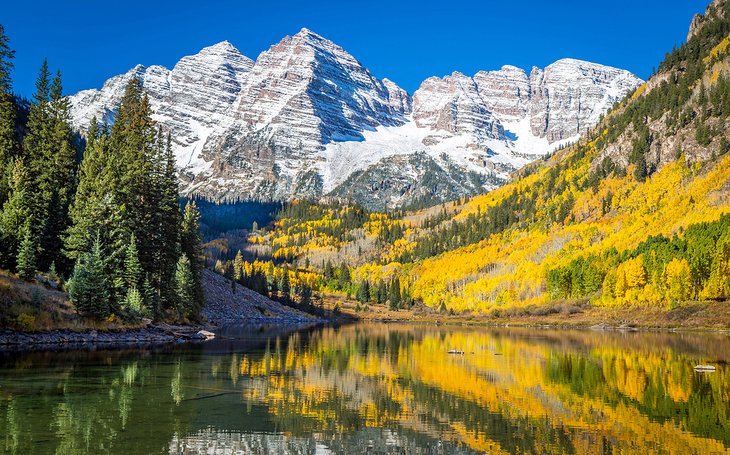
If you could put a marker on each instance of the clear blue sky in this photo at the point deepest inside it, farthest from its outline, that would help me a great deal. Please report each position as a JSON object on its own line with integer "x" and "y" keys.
{"x": 405, "y": 41}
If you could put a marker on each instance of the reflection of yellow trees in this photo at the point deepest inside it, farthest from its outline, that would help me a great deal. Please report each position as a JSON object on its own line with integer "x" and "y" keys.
{"x": 347, "y": 371}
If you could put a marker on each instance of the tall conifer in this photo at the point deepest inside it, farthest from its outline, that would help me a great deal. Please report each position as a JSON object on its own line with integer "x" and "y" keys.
{"x": 8, "y": 140}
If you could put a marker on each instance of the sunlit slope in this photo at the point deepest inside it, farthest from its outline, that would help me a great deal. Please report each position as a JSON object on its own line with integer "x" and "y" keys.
{"x": 633, "y": 213}
{"x": 656, "y": 165}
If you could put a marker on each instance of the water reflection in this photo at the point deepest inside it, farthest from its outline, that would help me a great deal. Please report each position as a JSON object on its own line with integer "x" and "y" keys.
{"x": 376, "y": 389}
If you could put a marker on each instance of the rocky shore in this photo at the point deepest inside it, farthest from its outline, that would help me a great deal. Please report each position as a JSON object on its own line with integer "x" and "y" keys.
{"x": 224, "y": 307}
{"x": 12, "y": 340}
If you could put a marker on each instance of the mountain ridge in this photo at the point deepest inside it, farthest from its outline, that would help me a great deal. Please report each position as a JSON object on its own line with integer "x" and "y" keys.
{"x": 303, "y": 117}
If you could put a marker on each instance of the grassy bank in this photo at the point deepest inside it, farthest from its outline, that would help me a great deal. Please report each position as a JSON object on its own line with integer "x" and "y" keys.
{"x": 35, "y": 306}
{"x": 689, "y": 316}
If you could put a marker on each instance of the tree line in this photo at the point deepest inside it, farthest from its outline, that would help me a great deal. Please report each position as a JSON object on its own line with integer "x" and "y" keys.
{"x": 104, "y": 213}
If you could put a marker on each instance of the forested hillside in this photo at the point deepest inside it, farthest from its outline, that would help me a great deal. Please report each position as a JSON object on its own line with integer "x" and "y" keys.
{"x": 635, "y": 213}
{"x": 99, "y": 218}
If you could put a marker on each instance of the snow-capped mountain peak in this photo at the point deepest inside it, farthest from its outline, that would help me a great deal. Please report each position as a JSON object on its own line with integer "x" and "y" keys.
{"x": 307, "y": 119}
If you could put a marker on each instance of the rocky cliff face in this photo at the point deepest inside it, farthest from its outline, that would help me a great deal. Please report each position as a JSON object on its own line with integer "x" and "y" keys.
{"x": 306, "y": 116}
{"x": 560, "y": 102}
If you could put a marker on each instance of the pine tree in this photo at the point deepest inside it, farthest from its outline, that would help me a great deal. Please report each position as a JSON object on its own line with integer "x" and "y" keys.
{"x": 15, "y": 214}
{"x": 237, "y": 266}
{"x": 171, "y": 219}
{"x": 329, "y": 272}
{"x": 363, "y": 292}
{"x": 89, "y": 286}
{"x": 133, "y": 302}
{"x": 381, "y": 293}
{"x": 37, "y": 147}
{"x": 85, "y": 212}
{"x": 132, "y": 267}
{"x": 285, "y": 285}
{"x": 150, "y": 297}
{"x": 305, "y": 295}
{"x": 191, "y": 245}
{"x": 8, "y": 140}
{"x": 27, "y": 256}
{"x": 395, "y": 295}
{"x": 273, "y": 282}
{"x": 344, "y": 278}
{"x": 60, "y": 178}
{"x": 184, "y": 288}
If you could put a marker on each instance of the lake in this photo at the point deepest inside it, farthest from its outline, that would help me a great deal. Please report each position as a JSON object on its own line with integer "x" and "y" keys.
{"x": 375, "y": 388}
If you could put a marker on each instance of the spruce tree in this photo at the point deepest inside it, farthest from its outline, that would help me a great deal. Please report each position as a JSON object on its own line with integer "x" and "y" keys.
{"x": 363, "y": 292}
{"x": 15, "y": 214}
{"x": 133, "y": 302}
{"x": 168, "y": 214}
{"x": 395, "y": 294}
{"x": 381, "y": 293}
{"x": 8, "y": 140}
{"x": 191, "y": 245}
{"x": 285, "y": 285}
{"x": 150, "y": 297}
{"x": 89, "y": 285}
{"x": 60, "y": 180}
{"x": 37, "y": 146}
{"x": 27, "y": 256}
{"x": 237, "y": 266}
{"x": 343, "y": 279}
{"x": 132, "y": 267}
{"x": 85, "y": 210}
{"x": 184, "y": 288}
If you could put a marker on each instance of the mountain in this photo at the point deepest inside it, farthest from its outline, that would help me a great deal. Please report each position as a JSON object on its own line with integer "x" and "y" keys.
{"x": 629, "y": 224}
{"x": 306, "y": 119}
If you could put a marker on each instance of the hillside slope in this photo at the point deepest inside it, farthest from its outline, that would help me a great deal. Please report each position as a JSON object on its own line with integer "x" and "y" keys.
{"x": 632, "y": 214}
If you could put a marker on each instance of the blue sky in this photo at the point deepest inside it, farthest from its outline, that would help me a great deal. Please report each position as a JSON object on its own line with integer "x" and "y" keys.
{"x": 406, "y": 41}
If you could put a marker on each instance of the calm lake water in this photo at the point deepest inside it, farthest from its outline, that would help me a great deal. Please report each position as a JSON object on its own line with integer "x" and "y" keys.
{"x": 375, "y": 389}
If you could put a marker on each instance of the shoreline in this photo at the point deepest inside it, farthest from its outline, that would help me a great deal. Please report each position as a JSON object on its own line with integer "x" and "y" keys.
{"x": 699, "y": 318}
{"x": 163, "y": 334}
{"x": 599, "y": 327}
{"x": 154, "y": 334}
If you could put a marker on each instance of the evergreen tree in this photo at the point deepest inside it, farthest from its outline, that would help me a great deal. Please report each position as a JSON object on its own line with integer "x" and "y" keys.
{"x": 8, "y": 140}
{"x": 60, "y": 177}
{"x": 273, "y": 282}
{"x": 395, "y": 294}
{"x": 238, "y": 266}
{"x": 285, "y": 285}
{"x": 86, "y": 210}
{"x": 89, "y": 285}
{"x": 344, "y": 277}
{"x": 27, "y": 256}
{"x": 14, "y": 216}
{"x": 184, "y": 288}
{"x": 191, "y": 245}
{"x": 363, "y": 292}
{"x": 132, "y": 267}
{"x": 381, "y": 293}
{"x": 165, "y": 214}
{"x": 37, "y": 147}
{"x": 134, "y": 302}
{"x": 329, "y": 272}
{"x": 305, "y": 295}
{"x": 150, "y": 297}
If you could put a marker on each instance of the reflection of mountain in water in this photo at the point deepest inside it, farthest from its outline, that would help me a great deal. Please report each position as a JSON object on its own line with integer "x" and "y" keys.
{"x": 366, "y": 441}
{"x": 375, "y": 389}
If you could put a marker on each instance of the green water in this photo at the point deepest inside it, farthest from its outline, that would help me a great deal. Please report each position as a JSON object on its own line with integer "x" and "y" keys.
{"x": 375, "y": 389}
